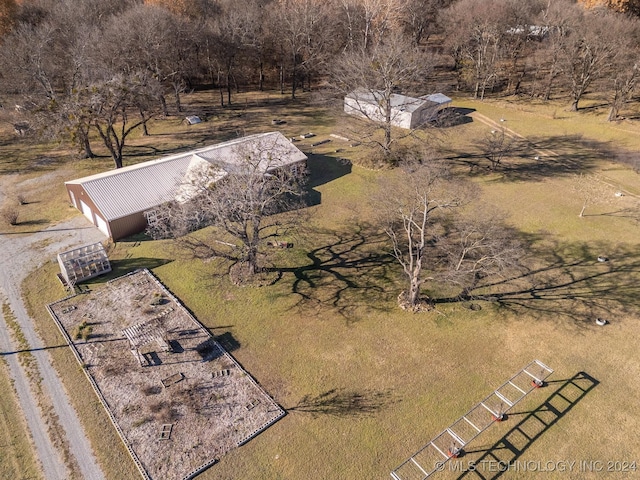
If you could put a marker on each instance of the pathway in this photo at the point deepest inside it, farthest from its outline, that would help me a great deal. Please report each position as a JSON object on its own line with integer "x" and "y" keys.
{"x": 21, "y": 254}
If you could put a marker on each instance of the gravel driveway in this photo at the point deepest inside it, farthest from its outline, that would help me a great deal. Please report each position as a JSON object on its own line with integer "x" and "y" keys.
{"x": 21, "y": 254}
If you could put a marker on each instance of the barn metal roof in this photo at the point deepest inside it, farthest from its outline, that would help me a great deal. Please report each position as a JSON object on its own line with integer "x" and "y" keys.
{"x": 439, "y": 98}
{"x": 137, "y": 188}
{"x": 398, "y": 102}
{"x": 403, "y": 103}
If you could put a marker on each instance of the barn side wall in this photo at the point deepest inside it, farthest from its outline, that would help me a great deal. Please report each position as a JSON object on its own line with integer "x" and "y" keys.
{"x": 129, "y": 225}
{"x": 363, "y": 109}
{"x": 80, "y": 195}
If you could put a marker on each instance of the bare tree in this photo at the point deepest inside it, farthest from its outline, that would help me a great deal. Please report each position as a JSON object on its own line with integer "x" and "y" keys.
{"x": 496, "y": 145}
{"x": 624, "y": 86}
{"x": 148, "y": 39}
{"x": 523, "y": 35}
{"x": 626, "y": 68}
{"x": 557, "y": 20}
{"x": 231, "y": 30}
{"x": 304, "y": 28}
{"x": 241, "y": 201}
{"x": 419, "y": 18}
{"x": 591, "y": 190}
{"x": 591, "y": 52}
{"x": 421, "y": 192}
{"x": 111, "y": 103}
{"x": 8, "y": 12}
{"x": 475, "y": 33}
{"x": 477, "y": 248}
{"x": 372, "y": 77}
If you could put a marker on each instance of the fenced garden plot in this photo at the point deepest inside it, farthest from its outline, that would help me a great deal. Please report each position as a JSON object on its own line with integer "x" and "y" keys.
{"x": 178, "y": 400}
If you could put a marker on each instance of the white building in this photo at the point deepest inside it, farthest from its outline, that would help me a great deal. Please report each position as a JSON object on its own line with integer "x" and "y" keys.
{"x": 406, "y": 112}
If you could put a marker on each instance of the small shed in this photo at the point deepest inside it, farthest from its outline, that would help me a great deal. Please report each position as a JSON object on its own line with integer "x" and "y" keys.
{"x": 406, "y": 112}
{"x": 83, "y": 263}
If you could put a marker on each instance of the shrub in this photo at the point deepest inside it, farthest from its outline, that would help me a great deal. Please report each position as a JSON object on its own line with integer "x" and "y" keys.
{"x": 10, "y": 215}
{"x": 86, "y": 333}
{"x": 152, "y": 390}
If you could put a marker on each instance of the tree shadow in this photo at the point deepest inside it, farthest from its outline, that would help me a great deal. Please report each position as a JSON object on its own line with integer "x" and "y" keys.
{"x": 29, "y": 223}
{"x": 127, "y": 265}
{"x": 632, "y": 213}
{"x": 537, "y": 158}
{"x": 227, "y": 341}
{"x": 347, "y": 272}
{"x": 343, "y": 403}
{"x": 516, "y": 441}
{"x": 568, "y": 280}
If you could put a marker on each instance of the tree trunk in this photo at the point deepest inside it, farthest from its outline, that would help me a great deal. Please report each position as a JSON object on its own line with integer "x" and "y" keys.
{"x": 282, "y": 79}
{"x": 293, "y": 79}
{"x": 574, "y": 105}
{"x": 387, "y": 125}
{"x": 228, "y": 87}
{"x": 163, "y": 104}
{"x": 145, "y": 131}
{"x": 613, "y": 113}
{"x": 252, "y": 248}
{"x": 261, "y": 77}
{"x": 413, "y": 295}
{"x": 235, "y": 83}
{"x": 85, "y": 144}
{"x": 178, "y": 103}
{"x": 516, "y": 88}
{"x": 252, "y": 260}
{"x": 549, "y": 86}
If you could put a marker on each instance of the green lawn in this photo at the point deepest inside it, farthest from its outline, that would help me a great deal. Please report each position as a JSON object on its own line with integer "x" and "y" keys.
{"x": 365, "y": 384}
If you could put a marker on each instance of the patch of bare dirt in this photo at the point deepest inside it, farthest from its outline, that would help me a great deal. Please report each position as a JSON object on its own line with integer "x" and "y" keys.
{"x": 179, "y": 399}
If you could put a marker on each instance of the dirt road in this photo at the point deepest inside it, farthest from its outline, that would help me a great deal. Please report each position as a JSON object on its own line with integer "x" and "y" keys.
{"x": 21, "y": 254}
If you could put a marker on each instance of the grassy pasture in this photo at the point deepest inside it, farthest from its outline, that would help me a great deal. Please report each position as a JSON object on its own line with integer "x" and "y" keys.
{"x": 365, "y": 384}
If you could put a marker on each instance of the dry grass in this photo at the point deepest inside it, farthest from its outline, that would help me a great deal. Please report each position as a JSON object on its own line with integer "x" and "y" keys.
{"x": 366, "y": 385}
{"x": 196, "y": 389}
{"x": 17, "y": 456}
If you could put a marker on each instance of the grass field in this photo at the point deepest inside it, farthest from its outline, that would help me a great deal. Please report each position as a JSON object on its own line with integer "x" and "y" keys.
{"x": 365, "y": 384}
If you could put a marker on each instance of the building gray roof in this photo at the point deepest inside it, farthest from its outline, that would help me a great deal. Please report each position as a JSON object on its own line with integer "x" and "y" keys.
{"x": 439, "y": 98}
{"x": 137, "y": 188}
{"x": 399, "y": 102}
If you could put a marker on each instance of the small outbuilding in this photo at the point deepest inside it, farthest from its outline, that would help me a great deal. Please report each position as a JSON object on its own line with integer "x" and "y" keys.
{"x": 116, "y": 201}
{"x": 406, "y": 112}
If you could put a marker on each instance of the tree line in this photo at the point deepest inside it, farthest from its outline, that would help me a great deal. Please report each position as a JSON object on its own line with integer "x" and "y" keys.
{"x": 83, "y": 67}
{"x": 84, "y": 70}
